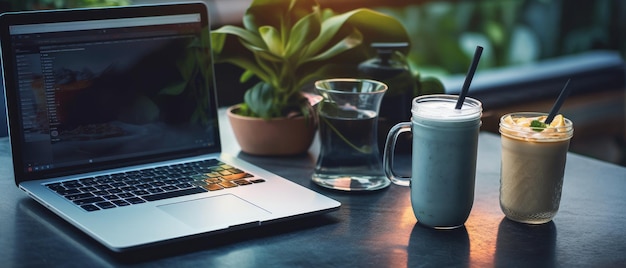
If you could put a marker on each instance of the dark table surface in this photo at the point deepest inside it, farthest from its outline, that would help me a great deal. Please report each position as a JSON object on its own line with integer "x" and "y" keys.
{"x": 374, "y": 229}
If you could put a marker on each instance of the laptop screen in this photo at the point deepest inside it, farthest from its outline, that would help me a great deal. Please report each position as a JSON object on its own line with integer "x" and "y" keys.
{"x": 108, "y": 92}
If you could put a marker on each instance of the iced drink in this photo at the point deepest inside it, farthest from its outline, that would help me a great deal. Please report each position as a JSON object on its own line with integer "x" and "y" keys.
{"x": 445, "y": 142}
{"x": 533, "y": 164}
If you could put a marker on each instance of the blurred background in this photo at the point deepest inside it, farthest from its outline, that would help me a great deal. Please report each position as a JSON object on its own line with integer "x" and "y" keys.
{"x": 531, "y": 48}
{"x": 445, "y": 32}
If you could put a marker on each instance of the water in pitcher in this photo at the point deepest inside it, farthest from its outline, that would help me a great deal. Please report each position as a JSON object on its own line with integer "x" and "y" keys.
{"x": 349, "y": 156}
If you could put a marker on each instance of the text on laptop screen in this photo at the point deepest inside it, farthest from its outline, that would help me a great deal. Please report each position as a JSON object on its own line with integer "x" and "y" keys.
{"x": 99, "y": 91}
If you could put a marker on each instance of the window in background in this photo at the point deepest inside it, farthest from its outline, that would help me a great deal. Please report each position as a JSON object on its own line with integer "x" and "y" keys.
{"x": 513, "y": 32}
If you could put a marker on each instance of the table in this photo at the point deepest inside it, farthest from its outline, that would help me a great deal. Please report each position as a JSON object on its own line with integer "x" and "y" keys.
{"x": 374, "y": 229}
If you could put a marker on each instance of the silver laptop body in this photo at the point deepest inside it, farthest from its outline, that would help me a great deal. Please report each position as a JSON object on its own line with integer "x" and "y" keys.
{"x": 96, "y": 97}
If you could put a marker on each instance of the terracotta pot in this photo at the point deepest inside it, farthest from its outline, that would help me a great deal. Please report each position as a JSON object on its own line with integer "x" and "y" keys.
{"x": 273, "y": 137}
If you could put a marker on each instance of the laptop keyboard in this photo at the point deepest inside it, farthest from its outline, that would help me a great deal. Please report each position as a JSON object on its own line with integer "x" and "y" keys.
{"x": 135, "y": 187}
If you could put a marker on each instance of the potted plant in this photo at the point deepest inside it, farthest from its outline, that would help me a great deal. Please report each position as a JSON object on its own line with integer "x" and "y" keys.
{"x": 288, "y": 44}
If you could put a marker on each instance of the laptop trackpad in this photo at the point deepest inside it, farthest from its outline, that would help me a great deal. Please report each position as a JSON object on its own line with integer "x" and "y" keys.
{"x": 219, "y": 211}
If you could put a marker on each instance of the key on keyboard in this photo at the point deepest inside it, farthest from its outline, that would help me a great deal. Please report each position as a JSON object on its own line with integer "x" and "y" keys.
{"x": 140, "y": 186}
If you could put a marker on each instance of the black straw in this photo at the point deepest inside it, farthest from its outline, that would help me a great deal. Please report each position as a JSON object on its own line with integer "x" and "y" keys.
{"x": 559, "y": 101}
{"x": 469, "y": 76}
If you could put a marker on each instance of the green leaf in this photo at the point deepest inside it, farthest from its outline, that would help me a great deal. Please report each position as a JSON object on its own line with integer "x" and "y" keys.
{"x": 375, "y": 26}
{"x": 259, "y": 99}
{"x": 277, "y": 13}
{"x": 272, "y": 39}
{"x": 495, "y": 32}
{"x": 537, "y": 125}
{"x": 218, "y": 37}
{"x": 175, "y": 89}
{"x": 354, "y": 39}
{"x": 247, "y": 74}
{"x": 266, "y": 54}
{"x": 250, "y": 66}
{"x": 303, "y": 32}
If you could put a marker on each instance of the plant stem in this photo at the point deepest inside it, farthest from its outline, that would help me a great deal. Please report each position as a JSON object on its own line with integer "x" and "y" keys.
{"x": 364, "y": 149}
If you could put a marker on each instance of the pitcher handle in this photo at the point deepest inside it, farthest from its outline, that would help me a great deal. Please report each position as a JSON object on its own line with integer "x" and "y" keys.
{"x": 389, "y": 153}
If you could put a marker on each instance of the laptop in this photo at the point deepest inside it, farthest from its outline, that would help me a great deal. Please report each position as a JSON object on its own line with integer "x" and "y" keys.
{"x": 113, "y": 125}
